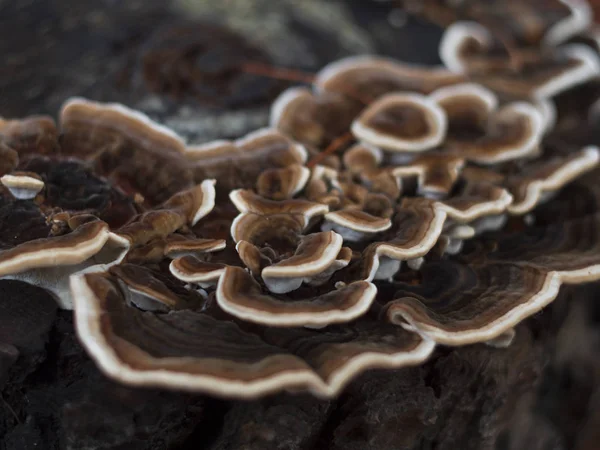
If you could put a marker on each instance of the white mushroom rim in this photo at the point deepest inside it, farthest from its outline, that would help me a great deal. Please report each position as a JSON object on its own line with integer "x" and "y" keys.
{"x": 453, "y": 40}
{"x": 331, "y": 71}
{"x": 587, "y": 160}
{"x": 290, "y": 317}
{"x": 435, "y": 229}
{"x": 486, "y": 96}
{"x": 588, "y": 68}
{"x": 74, "y": 105}
{"x": 579, "y": 20}
{"x": 434, "y": 116}
{"x": 536, "y": 302}
{"x": 208, "y": 200}
{"x": 88, "y": 314}
{"x": 22, "y": 187}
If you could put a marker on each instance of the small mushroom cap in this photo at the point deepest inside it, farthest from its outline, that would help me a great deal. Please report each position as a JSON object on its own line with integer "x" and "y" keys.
{"x": 419, "y": 222}
{"x": 314, "y": 254}
{"x": 436, "y": 173}
{"x": 349, "y": 220}
{"x": 23, "y": 185}
{"x": 258, "y": 229}
{"x": 402, "y": 122}
{"x": 247, "y": 201}
{"x": 280, "y": 184}
{"x": 580, "y": 18}
{"x": 542, "y": 23}
{"x": 481, "y": 133}
{"x": 193, "y": 270}
{"x": 239, "y": 295}
{"x": 184, "y": 208}
{"x": 33, "y": 135}
{"x": 144, "y": 349}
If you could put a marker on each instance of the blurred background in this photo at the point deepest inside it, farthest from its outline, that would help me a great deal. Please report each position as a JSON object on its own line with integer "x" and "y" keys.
{"x": 182, "y": 61}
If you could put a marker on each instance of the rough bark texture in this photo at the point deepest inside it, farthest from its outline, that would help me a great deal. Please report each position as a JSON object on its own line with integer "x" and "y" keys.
{"x": 540, "y": 393}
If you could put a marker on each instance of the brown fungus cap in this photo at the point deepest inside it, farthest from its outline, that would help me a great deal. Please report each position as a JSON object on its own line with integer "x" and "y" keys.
{"x": 418, "y": 223}
{"x": 314, "y": 119}
{"x": 239, "y": 164}
{"x": 49, "y": 261}
{"x": 221, "y": 358}
{"x": 483, "y": 294}
{"x": 127, "y": 147}
{"x": 401, "y": 122}
{"x": 541, "y": 180}
{"x": 470, "y": 48}
{"x": 532, "y": 22}
{"x": 369, "y": 77}
{"x": 481, "y": 132}
{"x": 241, "y": 296}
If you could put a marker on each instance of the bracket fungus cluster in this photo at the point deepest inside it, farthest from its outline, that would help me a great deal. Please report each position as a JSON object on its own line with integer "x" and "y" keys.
{"x": 388, "y": 208}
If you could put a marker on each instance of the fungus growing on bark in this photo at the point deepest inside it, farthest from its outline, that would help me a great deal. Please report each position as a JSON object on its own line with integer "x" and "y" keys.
{"x": 264, "y": 264}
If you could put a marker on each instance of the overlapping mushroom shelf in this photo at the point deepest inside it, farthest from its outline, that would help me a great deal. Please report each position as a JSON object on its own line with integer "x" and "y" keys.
{"x": 388, "y": 209}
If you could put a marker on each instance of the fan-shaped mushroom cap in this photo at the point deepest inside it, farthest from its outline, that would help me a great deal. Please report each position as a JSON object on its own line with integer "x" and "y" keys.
{"x": 436, "y": 173}
{"x": 419, "y": 223}
{"x": 142, "y": 348}
{"x": 127, "y": 146}
{"x": 401, "y": 122}
{"x": 280, "y": 184}
{"x": 117, "y": 119}
{"x": 314, "y": 119}
{"x": 238, "y": 164}
{"x": 354, "y": 225}
{"x": 580, "y": 17}
{"x": 184, "y": 208}
{"x": 549, "y": 176}
{"x": 314, "y": 254}
{"x": 193, "y": 270}
{"x": 247, "y": 201}
{"x": 23, "y": 185}
{"x": 177, "y": 245}
{"x": 47, "y": 262}
{"x": 366, "y": 78}
{"x": 300, "y": 258}
{"x": 533, "y": 22}
{"x": 462, "y": 40}
{"x": 481, "y": 133}
{"x": 33, "y": 135}
{"x": 491, "y": 294}
{"x": 468, "y": 47}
